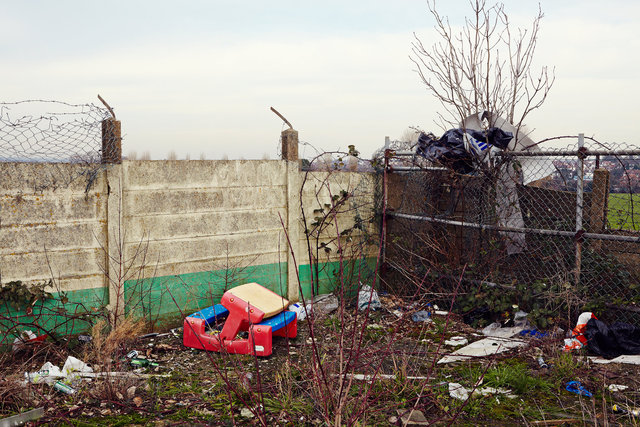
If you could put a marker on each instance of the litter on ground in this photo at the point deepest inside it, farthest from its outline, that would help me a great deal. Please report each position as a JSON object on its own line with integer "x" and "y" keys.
{"x": 482, "y": 348}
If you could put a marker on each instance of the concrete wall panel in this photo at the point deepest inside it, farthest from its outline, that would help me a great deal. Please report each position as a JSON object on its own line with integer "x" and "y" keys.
{"x": 204, "y": 224}
{"x": 175, "y": 220}
{"x": 203, "y": 174}
{"x": 149, "y": 202}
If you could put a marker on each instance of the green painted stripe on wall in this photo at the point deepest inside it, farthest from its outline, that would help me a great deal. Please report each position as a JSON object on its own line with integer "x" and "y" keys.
{"x": 163, "y": 299}
{"x": 167, "y": 299}
{"x": 69, "y": 312}
{"x": 353, "y": 271}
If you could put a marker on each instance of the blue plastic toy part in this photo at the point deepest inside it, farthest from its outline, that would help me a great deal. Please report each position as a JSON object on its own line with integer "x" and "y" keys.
{"x": 212, "y": 314}
{"x": 576, "y": 387}
{"x": 533, "y": 333}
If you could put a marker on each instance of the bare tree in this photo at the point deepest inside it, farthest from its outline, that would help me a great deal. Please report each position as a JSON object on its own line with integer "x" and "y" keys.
{"x": 484, "y": 66}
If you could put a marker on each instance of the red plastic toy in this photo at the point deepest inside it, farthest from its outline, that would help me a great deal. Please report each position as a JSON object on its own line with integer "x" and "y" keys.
{"x": 251, "y": 308}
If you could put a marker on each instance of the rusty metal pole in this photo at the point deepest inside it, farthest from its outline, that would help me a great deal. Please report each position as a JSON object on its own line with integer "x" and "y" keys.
{"x": 579, "y": 206}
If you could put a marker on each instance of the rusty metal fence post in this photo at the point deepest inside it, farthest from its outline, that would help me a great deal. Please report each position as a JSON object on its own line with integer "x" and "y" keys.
{"x": 579, "y": 206}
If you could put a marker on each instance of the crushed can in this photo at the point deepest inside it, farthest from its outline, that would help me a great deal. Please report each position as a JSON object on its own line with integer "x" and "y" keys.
{"x": 85, "y": 339}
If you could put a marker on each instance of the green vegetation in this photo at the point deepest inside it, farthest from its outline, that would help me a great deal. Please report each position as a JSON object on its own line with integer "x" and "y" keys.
{"x": 624, "y": 211}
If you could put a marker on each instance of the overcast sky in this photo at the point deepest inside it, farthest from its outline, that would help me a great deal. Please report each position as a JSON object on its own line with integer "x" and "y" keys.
{"x": 199, "y": 76}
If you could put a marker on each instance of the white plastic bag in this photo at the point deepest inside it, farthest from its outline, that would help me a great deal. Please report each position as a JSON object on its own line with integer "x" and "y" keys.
{"x": 368, "y": 297}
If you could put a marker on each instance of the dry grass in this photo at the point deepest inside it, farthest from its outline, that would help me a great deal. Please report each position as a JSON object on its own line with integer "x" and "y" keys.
{"x": 107, "y": 344}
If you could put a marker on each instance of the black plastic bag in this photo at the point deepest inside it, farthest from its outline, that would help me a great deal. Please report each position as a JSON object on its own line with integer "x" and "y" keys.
{"x": 612, "y": 341}
{"x": 449, "y": 150}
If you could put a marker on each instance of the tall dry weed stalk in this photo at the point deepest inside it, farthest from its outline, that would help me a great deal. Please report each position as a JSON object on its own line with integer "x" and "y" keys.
{"x": 108, "y": 343}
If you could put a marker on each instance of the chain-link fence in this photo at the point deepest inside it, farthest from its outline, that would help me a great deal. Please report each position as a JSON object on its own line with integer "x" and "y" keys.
{"x": 551, "y": 232}
{"x": 82, "y": 135}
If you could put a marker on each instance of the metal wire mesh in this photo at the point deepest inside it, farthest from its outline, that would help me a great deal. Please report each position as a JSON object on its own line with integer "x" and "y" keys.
{"x": 553, "y": 233}
{"x": 82, "y": 135}
{"x": 51, "y": 131}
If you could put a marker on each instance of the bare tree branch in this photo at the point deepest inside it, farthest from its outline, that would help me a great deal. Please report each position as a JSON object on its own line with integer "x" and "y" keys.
{"x": 485, "y": 65}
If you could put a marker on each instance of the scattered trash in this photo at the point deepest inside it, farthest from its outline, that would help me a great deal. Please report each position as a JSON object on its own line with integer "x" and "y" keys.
{"x": 131, "y": 392}
{"x": 368, "y": 297}
{"x": 23, "y": 418}
{"x": 412, "y": 417}
{"x": 299, "y": 310}
{"x": 634, "y": 412}
{"x": 577, "y": 388}
{"x": 368, "y": 377}
{"x": 457, "y": 147}
{"x": 612, "y": 341}
{"x": 421, "y": 316}
{"x": 496, "y": 330}
{"x": 628, "y": 359}
{"x": 456, "y": 341}
{"x": 542, "y": 363}
{"x": 63, "y": 388}
{"x": 520, "y": 322}
{"x": 85, "y": 338}
{"x": 73, "y": 366}
{"x": 617, "y": 387}
{"x": 142, "y": 363}
{"x": 132, "y": 354}
{"x": 578, "y": 340}
{"x": 489, "y": 391}
{"x": 533, "y": 333}
{"x": 49, "y": 373}
{"x": 149, "y": 335}
{"x": 457, "y": 391}
{"x": 323, "y": 305}
{"x": 246, "y": 413}
{"x": 441, "y": 312}
{"x": 482, "y": 348}
{"x": 25, "y": 339}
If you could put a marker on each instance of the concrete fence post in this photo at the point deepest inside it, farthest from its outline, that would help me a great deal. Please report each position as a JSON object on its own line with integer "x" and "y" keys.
{"x": 111, "y": 141}
{"x": 114, "y": 244}
{"x": 290, "y": 155}
{"x": 290, "y": 144}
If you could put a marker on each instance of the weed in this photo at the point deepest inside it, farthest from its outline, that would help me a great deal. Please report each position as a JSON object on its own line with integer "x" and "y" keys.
{"x": 565, "y": 366}
{"x": 515, "y": 375}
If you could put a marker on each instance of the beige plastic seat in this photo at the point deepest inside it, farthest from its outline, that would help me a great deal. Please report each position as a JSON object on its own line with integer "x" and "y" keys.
{"x": 261, "y": 298}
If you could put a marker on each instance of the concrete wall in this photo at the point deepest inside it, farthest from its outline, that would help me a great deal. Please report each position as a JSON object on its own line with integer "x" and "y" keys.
{"x": 55, "y": 231}
{"x": 159, "y": 238}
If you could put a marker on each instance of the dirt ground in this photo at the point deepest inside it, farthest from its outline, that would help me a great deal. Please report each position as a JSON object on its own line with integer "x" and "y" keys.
{"x": 341, "y": 369}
